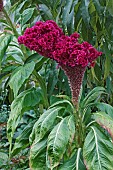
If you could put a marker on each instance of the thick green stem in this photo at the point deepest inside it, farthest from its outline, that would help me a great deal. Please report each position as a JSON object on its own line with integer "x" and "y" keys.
{"x": 80, "y": 130}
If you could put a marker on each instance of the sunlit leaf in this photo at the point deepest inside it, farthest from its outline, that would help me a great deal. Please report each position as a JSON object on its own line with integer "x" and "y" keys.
{"x": 57, "y": 142}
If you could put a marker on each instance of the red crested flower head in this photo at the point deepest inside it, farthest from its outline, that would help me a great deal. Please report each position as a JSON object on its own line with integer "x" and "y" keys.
{"x": 47, "y": 39}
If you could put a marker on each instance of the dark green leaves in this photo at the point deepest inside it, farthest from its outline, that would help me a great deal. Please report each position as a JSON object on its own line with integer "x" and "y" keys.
{"x": 85, "y": 12}
{"x": 22, "y": 141}
{"x": 22, "y": 102}
{"x": 19, "y": 77}
{"x": 98, "y": 151}
{"x": 93, "y": 96}
{"x": 4, "y": 42}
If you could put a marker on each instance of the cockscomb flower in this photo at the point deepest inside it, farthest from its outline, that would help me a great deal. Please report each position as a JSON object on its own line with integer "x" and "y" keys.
{"x": 47, "y": 39}
{"x": 1, "y": 5}
{"x": 42, "y": 37}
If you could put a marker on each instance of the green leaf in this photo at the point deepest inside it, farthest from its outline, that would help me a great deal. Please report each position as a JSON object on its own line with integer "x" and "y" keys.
{"x": 3, "y": 159}
{"x": 22, "y": 141}
{"x": 24, "y": 101}
{"x": 98, "y": 7}
{"x": 49, "y": 120}
{"x": 107, "y": 61}
{"x": 38, "y": 156}
{"x": 45, "y": 12}
{"x": 92, "y": 96}
{"x": 74, "y": 163}
{"x": 79, "y": 160}
{"x": 98, "y": 151}
{"x": 4, "y": 42}
{"x": 44, "y": 123}
{"x": 104, "y": 121}
{"x": 20, "y": 77}
{"x": 26, "y": 15}
{"x": 104, "y": 107}
{"x": 43, "y": 87}
{"x": 110, "y": 7}
{"x": 66, "y": 12}
{"x": 63, "y": 103}
{"x": 85, "y": 13}
{"x": 57, "y": 142}
{"x": 69, "y": 164}
{"x": 70, "y": 22}
{"x": 52, "y": 79}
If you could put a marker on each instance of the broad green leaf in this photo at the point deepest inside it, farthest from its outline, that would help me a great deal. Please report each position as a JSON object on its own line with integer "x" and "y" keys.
{"x": 22, "y": 141}
{"x": 48, "y": 121}
{"x": 17, "y": 79}
{"x": 44, "y": 123}
{"x": 24, "y": 101}
{"x": 26, "y": 15}
{"x": 92, "y": 96}
{"x": 79, "y": 160}
{"x": 4, "y": 42}
{"x": 57, "y": 142}
{"x": 105, "y": 121}
{"x": 63, "y": 103}
{"x": 98, "y": 151}
{"x": 104, "y": 107}
{"x": 38, "y": 156}
{"x": 75, "y": 163}
{"x": 69, "y": 164}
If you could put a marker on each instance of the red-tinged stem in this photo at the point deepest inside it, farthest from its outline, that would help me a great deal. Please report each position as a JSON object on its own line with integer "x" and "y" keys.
{"x": 75, "y": 76}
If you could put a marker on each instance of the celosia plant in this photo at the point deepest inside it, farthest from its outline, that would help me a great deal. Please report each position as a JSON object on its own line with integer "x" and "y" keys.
{"x": 47, "y": 39}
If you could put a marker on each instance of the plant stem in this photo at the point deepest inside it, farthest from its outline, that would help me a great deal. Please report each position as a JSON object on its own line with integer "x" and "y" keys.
{"x": 80, "y": 130}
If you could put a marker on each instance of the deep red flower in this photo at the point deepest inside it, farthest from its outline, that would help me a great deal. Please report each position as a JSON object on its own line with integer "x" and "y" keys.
{"x": 47, "y": 39}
